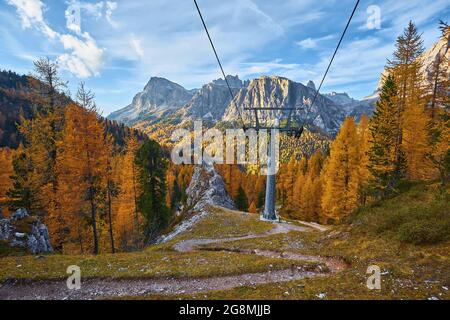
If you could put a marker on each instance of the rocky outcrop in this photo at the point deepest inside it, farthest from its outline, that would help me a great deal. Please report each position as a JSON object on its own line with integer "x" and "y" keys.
{"x": 206, "y": 189}
{"x": 24, "y": 231}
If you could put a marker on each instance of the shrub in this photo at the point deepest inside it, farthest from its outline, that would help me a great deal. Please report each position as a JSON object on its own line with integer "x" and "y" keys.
{"x": 419, "y": 214}
{"x": 6, "y": 250}
{"x": 424, "y": 232}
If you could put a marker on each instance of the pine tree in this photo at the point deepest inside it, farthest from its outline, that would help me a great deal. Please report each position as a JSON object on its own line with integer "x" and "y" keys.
{"x": 21, "y": 194}
{"x": 404, "y": 65}
{"x": 241, "y": 200}
{"x": 439, "y": 153}
{"x": 340, "y": 194}
{"x": 385, "y": 166}
{"x": 151, "y": 176}
{"x": 83, "y": 167}
{"x": 6, "y": 171}
{"x": 405, "y": 68}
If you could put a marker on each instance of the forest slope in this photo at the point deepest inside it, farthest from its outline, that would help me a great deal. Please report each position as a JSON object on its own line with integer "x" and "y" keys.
{"x": 297, "y": 263}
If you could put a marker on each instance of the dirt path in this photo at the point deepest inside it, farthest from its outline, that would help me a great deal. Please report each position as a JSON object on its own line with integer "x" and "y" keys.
{"x": 191, "y": 244}
{"x": 99, "y": 288}
{"x": 333, "y": 264}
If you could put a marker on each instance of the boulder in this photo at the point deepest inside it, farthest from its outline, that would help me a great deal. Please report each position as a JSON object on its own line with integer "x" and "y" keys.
{"x": 206, "y": 189}
{"x": 24, "y": 231}
{"x": 19, "y": 214}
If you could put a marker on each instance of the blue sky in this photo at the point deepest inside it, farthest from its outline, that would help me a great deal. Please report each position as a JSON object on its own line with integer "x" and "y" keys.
{"x": 118, "y": 45}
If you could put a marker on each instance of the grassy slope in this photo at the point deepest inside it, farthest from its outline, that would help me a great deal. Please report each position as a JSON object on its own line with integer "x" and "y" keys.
{"x": 159, "y": 260}
{"x": 372, "y": 236}
{"x": 226, "y": 224}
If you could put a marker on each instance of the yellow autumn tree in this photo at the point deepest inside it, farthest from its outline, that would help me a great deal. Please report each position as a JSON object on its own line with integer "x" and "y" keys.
{"x": 297, "y": 196}
{"x": 364, "y": 174}
{"x": 416, "y": 142}
{"x": 84, "y": 164}
{"x": 340, "y": 193}
{"x": 6, "y": 171}
{"x": 127, "y": 221}
{"x": 252, "y": 208}
{"x": 308, "y": 189}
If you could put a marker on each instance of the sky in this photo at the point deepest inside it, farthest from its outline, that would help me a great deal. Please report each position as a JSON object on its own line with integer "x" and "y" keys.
{"x": 116, "y": 46}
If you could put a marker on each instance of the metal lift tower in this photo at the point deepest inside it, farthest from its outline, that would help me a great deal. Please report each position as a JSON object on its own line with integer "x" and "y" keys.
{"x": 269, "y": 208}
{"x": 269, "y": 212}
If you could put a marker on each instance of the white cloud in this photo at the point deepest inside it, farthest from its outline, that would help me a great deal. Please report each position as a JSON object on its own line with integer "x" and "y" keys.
{"x": 247, "y": 69}
{"x": 110, "y": 7}
{"x": 310, "y": 43}
{"x": 83, "y": 58}
{"x": 76, "y": 9}
{"x": 30, "y": 11}
{"x": 137, "y": 46}
{"x": 31, "y": 15}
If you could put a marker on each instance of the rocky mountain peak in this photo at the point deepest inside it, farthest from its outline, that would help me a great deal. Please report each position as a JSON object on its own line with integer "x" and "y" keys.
{"x": 233, "y": 81}
{"x": 212, "y": 99}
{"x": 159, "y": 95}
{"x": 158, "y": 82}
{"x": 280, "y": 92}
{"x": 311, "y": 85}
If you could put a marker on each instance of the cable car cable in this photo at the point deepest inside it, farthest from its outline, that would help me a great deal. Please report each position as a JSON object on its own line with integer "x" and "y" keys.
{"x": 335, "y": 51}
{"x": 218, "y": 60}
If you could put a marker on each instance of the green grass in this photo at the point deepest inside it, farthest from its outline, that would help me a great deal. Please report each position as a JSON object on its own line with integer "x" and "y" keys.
{"x": 145, "y": 264}
{"x": 374, "y": 234}
{"x": 6, "y": 250}
{"x": 418, "y": 215}
{"x": 223, "y": 223}
{"x": 371, "y": 236}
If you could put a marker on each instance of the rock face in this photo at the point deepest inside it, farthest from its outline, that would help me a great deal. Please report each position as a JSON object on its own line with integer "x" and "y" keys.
{"x": 311, "y": 85}
{"x": 206, "y": 189}
{"x": 352, "y": 107}
{"x": 158, "y": 96}
{"x": 212, "y": 99}
{"x": 162, "y": 99}
{"x": 279, "y": 92}
{"x": 24, "y": 231}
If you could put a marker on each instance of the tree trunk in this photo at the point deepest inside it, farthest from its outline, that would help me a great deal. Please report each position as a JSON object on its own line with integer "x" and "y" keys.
{"x": 94, "y": 221}
{"x": 113, "y": 249}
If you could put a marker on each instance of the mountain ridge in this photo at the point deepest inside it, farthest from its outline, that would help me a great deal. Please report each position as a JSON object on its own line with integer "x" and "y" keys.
{"x": 213, "y": 102}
